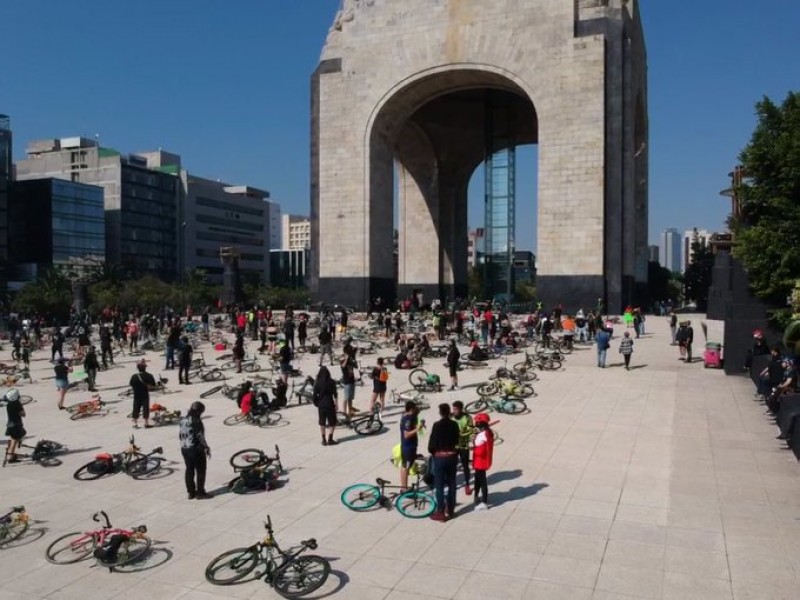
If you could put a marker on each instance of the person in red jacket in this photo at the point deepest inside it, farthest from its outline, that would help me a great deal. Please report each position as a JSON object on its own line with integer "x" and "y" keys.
{"x": 482, "y": 459}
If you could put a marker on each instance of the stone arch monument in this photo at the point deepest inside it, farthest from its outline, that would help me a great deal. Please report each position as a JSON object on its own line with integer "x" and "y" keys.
{"x": 401, "y": 102}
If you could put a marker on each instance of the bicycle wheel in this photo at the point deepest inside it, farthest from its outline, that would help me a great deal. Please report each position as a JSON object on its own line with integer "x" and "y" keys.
{"x": 227, "y": 366}
{"x": 251, "y": 367}
{"x": 144, "y": 467}
{"x": 552, "y": 364}
{"x": 513, "y": 406}
{"x": 415, "y": 504}
{"x": 301, "y": 576}
{"x": 368, "y": 425}
{"x": 49, "y": 461}
{"x": 246, "y": 458}
{"x": 476, "y": 406}
{"x": 93, "y": 470}
{"x": 214, "y": 375}
{"x": 360, "y": 496}
{"x": 17, "y": 525}
{"x": 211, "y": 391}
{"x": 235, "y": 419}
{"x": 487, "y": 389}
{"x": 132, "y": 550}
{"x": 268, "y": 419}
{"x": 521, "y": 367}
{"x": 528, "y": 375}
{"x": 523, "y": 391}
{"x": 418, "y": 378}
{"x": 71, "y": 548}
{"x": 25, "y": 399}
{"x": 231, "y": 566}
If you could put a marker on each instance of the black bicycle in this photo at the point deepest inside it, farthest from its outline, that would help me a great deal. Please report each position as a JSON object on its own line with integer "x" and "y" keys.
{"x": 368, "y": 424}
{"x": 131, "y": 461}
{"x": 289, "y": 574}
{"x": 256, "y": 471}
{"x": 43, "y": 453}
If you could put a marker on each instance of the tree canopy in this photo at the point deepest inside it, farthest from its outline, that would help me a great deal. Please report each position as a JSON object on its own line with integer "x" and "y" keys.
{"x": 768, "y": 229}
{"x": 697, "y": 278}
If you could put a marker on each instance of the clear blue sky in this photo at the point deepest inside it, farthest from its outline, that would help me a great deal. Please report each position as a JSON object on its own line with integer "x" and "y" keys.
{"x": 226, "y": 85}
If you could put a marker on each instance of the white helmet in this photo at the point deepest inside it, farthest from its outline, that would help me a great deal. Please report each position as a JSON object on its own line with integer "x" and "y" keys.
{"x": 12, "y": 395}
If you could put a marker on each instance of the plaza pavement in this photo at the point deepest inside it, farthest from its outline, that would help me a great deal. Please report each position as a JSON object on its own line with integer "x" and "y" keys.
{"x": 661, "y": 482}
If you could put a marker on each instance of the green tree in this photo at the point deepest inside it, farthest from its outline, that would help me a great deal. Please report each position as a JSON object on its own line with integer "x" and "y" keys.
{"x": 697, "y": 278}
{"x": 475, "y": 283}
{"x": 768, "y": 228}
{"x": 50, "y": 294}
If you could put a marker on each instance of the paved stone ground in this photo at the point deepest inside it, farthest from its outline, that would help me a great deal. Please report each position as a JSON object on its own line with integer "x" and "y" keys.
{"x": 661, "y": 482}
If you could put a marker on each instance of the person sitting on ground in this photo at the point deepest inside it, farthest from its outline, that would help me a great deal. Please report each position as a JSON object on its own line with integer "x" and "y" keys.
{"x": 401, "y": 361}
{"x": 245, "y": 397}
{"x": 772, "y": 375}
{"x": 477, "y": 353}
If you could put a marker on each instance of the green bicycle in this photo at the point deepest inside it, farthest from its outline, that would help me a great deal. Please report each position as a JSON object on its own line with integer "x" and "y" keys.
{"x": 412, "y": 503}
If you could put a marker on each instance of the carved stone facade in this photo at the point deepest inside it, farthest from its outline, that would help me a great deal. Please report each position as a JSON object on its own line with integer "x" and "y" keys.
{"x": 399, "y": 107}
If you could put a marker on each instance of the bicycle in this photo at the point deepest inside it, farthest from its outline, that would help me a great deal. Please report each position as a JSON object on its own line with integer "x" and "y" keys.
{"x": 87, "y": 408}
{"x": 413, "y": 395}
{"x": 509, "y": 388}
{"x": 229, "y": 391}
{"x": 304, "y": 392}
{"x": 121, "y": 546}
{"x": 412, "y": 503}
{"x": 510, "y": 406}
{"x": 23, "y": 399}
{"x": 44, "y": 453}
{"x": 201, "y": 372}
{"x": 259, "y": 415}
{"x": 544, "y": 362}
{"x": 13, "y": 525}
{"x": 521, "y": 376}
{"x": 131, "y": 461}
{"x": 422, "y": 381}
{"x": 161, "y": 386}
{"x": 161, "y": 415}
{"x": 368, "y": 424}
{"x": 288, "y": 573}
{"x": 256, "y": 470}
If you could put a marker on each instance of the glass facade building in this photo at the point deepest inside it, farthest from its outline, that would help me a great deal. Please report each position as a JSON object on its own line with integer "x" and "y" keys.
{"x": 5, "y": 188}
{"x": 55, "y": 222}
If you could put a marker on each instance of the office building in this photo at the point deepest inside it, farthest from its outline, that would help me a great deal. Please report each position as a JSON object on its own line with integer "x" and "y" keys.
{"x": 475, "y": 247}
{"x": 689, "y": 238}
{"x": 296, "y": 232}
{"x": 275, "y": 225}
{"x": 653, "y": 254}
{"x": 671, "y": 250}
{"x": 216, "y": 214}
{"x": 289, "y": 268}
{"x": 141, "y": 195}
{"x": 54, "y": 222}
{"x": 524, "y": 267}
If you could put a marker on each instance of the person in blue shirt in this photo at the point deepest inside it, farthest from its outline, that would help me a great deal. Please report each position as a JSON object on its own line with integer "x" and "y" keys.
{"x": 603, "y": 341}
{"x": 410, "y": 426}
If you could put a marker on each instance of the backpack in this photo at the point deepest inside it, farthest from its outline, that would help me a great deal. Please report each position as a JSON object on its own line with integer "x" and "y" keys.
{"x": 109, "y": 551}
{"x": 432, "y": 379}
{"x": 384, "y": 375}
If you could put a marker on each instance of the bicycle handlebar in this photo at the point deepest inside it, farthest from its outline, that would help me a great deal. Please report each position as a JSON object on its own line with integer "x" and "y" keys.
{"x": 96, "y": 517}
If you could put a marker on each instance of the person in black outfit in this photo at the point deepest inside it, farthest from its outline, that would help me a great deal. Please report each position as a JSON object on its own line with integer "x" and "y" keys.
{"x": 195, "y": 451}
{"x": 442, "y": 446}
{"x": 173, "y": 340}
{"x": 58, "y": 345}
{"x": 772, "y": 375}
{"x": 302, "y": 331}
{"x": 185, "y": 351}
{"x": 142, "y": 382}
{"x": 288, "y": 331}
{"x": 91, "y": 365}
{"x": 15, "y": 430}
{"x": 105, "y": 347}
{"x": 453, "y": 356}
{"x": 325, "y": 396}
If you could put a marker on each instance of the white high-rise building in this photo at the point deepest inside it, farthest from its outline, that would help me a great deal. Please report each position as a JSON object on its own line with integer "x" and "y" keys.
{"x": 691, "y": 236}
{"x": 296, "y": 234}
{"x": 275, "y": 225}
{"x": 670, "y": 250}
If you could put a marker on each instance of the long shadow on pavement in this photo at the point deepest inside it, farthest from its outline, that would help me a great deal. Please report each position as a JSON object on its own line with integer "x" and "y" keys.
{"x": 515, "y": 493}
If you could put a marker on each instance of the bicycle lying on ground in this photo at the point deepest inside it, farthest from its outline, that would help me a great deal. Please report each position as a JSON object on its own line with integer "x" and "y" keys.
{"x": 368, "y": 424}
{"x": 509, "y": 388}
{"x": 260, "y": 415}
{"x": 550, "y": 361}
{"x": 131, "y": 461}
{"x": 401, "y": 397}
{"x": 111, "y": 546}
{"x": 13, "y": 524}
{"x": 304, "y": 392}
{"x": 422, "y": 381}
{"x": 255, "y": 470}
{"x": 93, "y": 407}
{"x": 23, "y": 399}
{"x": 44, "y": 453}
{"x": 412, "y": 503}
{"x": 161, "y": 386}
{"x": 510, "y": 406}
{"x": 289, "y": 574}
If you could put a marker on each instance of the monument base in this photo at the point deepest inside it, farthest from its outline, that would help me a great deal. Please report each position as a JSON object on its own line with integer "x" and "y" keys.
{"x": 432, "y": 291}
{"x": 356, "y": 292}
{"x": 573, "y": 292}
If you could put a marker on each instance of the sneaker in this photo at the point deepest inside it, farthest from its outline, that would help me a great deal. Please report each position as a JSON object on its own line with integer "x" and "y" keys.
{"x": 468, "y": 490}
{"x": 438, "y": 516}
{"x": 481, "y": 506}
{"x": 324, "y": 442}
{"x": 203, "y": 496}
{"x": 332, "y": 442}
{"x": 192, "y": 496}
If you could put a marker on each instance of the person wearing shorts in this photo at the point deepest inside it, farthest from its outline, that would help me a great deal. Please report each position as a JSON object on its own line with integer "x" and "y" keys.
{"x": 379, "y": 378}
{"x": 14, "y": 427}
{"x": 410, "y": 426}
{"x": 325, "y": 396}
{"x": 347, "y": 362}
{"x": 62, "y": 370}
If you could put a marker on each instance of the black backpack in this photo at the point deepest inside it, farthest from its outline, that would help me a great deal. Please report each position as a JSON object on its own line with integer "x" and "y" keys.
{"x": 108, "y": 552}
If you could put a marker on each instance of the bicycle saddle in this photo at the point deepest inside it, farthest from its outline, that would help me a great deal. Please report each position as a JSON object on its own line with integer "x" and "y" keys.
{"x": 103, "y": 456}
{"x": 140, "y": 529}
{"x": 311, "y": 543}
{"x": 22, "y": 509}
{"x": 380, "y": 481}
{"x": 158, "y": 450}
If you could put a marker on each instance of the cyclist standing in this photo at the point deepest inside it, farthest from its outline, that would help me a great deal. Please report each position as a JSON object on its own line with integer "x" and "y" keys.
{"x": 142, "y": 382}
{"x": 195, "y": 451}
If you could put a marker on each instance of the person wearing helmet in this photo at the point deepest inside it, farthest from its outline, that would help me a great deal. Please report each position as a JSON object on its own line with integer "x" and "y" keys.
{"x": 482, "y": 459}
{"x": 195, "y": 451}
{"x": 141, "y": 383}
{"x": 14, "y": 427}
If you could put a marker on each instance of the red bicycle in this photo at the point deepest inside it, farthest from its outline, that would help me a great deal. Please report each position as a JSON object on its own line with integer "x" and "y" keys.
{"x": 111, "y": 546}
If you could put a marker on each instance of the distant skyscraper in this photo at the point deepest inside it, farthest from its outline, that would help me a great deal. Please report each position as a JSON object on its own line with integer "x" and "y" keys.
{"x": 296, "y": 234}
{"x": 275, "y": 225}
{"x": 671, "y": 250}
{"x": 653, "y": 254}
{"x": 690, "y": 237}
